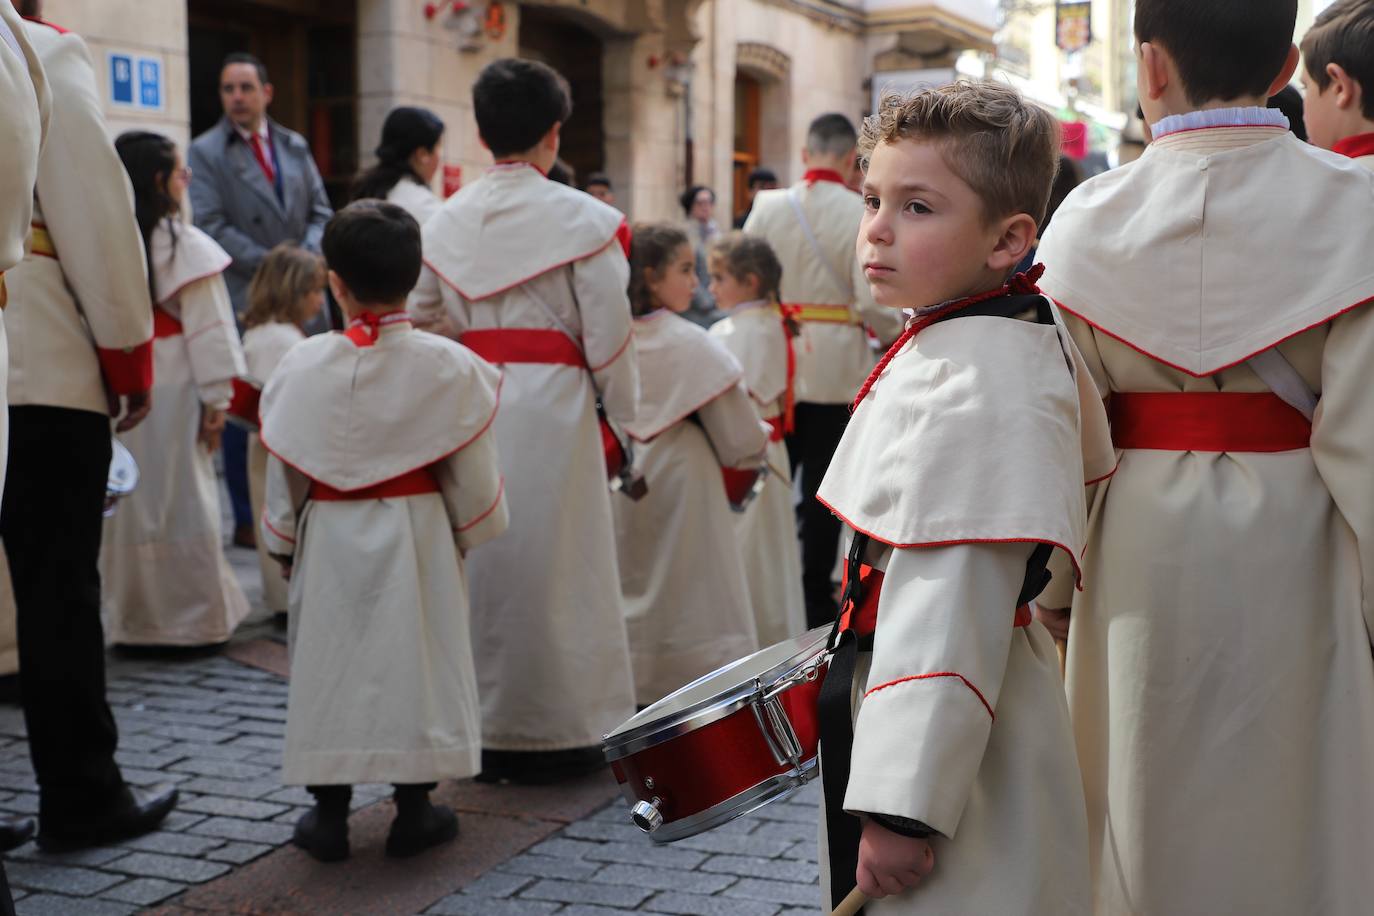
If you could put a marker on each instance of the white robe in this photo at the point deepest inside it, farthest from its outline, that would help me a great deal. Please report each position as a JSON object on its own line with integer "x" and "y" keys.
{"x": 1219, "y": 670}
{"x": 514, "y": 250}
{"x": 416, "y": 199}
{"x": 383, "y": 687}
{"x": 263, "y": 348}
{"x": 687, "y": 601}
{"x": 767, "y": 529}
{"x": 972, "y": 447}
{"x": 166, "y": 579}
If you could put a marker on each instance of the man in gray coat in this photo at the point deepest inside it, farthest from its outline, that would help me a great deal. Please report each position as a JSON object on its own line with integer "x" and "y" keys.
{"x": 255, "y": 186}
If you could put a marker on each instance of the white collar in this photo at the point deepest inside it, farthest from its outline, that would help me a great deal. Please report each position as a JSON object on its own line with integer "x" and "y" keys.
{"x": 1219, "y": 117}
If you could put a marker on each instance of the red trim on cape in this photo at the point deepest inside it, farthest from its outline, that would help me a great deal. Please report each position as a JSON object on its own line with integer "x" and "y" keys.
{"x": 921, "y": 677}
{"x": 1356, "y": 146}
{"x": 496, "y": 292}
{"x": 127, "y": 370}
{"x": 52, "y": 25}
{"x": 1073, "y": 558}
{"x": 814, "y": 175}
{"x": 500, "y": 492}
{"x": 649, "y": 437}
{"x": 471, "y": 439}
{"x": 196, "y": 279}
{"x": 617, "y": 354}
{"x": 270, "y": 527}
{"x": 1159, "y": 359}
{"x": 1107, "y": 476}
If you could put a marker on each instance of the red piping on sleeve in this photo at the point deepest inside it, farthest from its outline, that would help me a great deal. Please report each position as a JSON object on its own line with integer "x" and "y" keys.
{"x": 616, "y": 355}
{"x": 269, "y": 526}
{"x": 921, "y": 677}
{"x": 128, "y": 370}
{"x": 500, "y": 491}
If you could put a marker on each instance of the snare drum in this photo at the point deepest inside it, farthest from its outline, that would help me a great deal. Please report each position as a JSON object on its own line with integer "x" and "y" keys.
{"x": 122, "y": 477}
{"x": 726, "y": 744}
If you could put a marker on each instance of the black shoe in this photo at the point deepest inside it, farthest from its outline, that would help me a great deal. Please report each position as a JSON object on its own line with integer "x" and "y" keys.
{"x": 15, "y": 832}
{"x": 415, "y": 831}
{"x": 9, "y": 688}
{"x": 324, "y": 836}
{"x": 133, "y": 813}
{"x": 540, "y": 768}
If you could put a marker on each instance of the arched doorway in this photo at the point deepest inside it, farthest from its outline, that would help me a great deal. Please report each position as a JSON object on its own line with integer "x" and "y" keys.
{"x": 553, "y": 36}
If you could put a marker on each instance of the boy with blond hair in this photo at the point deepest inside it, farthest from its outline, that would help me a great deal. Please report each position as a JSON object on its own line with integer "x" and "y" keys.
{"x": 1338, "y": 76}
{"x": 1219, "y": 670}
{"x": 961, "y": 471}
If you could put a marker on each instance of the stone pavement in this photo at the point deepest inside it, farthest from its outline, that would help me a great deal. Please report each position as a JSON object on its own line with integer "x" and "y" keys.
{"x": 214, "y": 726}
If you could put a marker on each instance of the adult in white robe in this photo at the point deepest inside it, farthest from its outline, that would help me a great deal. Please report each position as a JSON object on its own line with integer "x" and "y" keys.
{"x": 1219, "y": 668}
{"x": 517, "y": 263}
{"x": 767, "y": 530}
{"x": 970, "y": 450}
{"x": 167, "y": 580}
{"x": 383, "y": 687}
{"x": 264, "y": 346}
{"x": 687, "y": 605}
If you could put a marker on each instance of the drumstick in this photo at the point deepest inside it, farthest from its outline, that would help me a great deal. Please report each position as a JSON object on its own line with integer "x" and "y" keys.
{"x": 851, "y": 904}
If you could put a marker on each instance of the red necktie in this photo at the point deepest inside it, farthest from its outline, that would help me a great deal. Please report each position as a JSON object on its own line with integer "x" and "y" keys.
{"x": 259, "y": 154}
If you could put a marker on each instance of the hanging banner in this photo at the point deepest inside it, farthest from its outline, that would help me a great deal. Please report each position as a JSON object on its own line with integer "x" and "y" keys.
{"x": 1073, "y": 25}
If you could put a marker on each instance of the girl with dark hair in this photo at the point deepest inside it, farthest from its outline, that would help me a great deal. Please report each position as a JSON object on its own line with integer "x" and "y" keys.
{"x": 687, "y": 603}
{"x": 166, "y": 580}
{"x": 407, "y": 159}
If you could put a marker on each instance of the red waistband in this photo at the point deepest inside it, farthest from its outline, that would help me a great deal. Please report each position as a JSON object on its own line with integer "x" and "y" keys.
{"x": 524, "y": 345}
{"x": 245, "y": 401}
{"x": 1207, "y": 421}
{"x": 165, "y": 324}
{"x": 863, "y": 619}
{"x": 411, "y": 483}
{"x": 778, "y": 424}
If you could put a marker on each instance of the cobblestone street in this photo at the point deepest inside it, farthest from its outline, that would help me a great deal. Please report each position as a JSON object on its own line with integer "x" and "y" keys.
{"x": 214, "y": 726}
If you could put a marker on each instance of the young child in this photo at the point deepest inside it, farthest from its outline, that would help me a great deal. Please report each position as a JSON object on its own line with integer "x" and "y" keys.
{"x": 961, "y": 470}
{"x": 287, "y": 290}
{"x": 686, "y": 598}
{"x": 1338, "y": 77}
{"x": 166, "y": 579}
{"x": 531, "y": 275}
{"x": 382, "y": 474}
{"x": 1219, "y": 670}
{"x": 745, "y": 279}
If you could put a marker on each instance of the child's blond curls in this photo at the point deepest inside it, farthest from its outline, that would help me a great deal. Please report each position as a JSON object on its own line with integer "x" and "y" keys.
{"x": 281, "y": 284}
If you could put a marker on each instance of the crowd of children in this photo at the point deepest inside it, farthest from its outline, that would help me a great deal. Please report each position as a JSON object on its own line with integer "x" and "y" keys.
{"x": 1163, "y": 457}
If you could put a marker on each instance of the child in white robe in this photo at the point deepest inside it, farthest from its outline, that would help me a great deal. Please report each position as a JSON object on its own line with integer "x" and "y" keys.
{"x": 962, "y": 469}
{"x": 687, "y": 602}
{"x": 382, "y": 474}
{"x": 746, "y": 277}
{"x": 166, "y": 579}
{"x": 286, "y": 292}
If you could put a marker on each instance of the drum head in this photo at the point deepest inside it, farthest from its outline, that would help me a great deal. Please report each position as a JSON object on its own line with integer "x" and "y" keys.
{"x": 714, "y": 695}
{"x": 123, "y": 475}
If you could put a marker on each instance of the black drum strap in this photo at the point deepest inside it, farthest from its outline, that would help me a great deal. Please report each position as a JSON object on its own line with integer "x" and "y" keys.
{"x": 837, "y": 735}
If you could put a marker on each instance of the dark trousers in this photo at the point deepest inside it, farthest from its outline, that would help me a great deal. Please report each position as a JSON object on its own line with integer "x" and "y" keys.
{"x": 51, "y": 523}
{"x": 816, "y": 435}
{"x": 234, "y": 444}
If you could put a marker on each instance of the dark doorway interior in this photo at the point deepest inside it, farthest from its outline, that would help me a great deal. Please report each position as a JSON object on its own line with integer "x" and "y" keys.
{"x": 310, "y": 49}
{"x": 552, "y": 36}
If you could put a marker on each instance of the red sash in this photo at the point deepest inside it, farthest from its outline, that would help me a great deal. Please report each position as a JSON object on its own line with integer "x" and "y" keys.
{"x": 244, "y": 404}
{"x": 411, "y": 483}
{"x": 165, "y": 324}
{"x": 1207, "y": 421}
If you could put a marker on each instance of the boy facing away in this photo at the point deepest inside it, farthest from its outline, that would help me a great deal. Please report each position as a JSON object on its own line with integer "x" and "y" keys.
{"x": 382, "y": 474}
{"x": 1338, "y": 76}
{"x": 961, "y": 470}
{"x": 1219, "y": 670}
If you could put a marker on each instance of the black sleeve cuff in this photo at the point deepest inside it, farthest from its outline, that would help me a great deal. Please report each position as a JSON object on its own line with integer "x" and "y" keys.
{"x": 904, "y": 826}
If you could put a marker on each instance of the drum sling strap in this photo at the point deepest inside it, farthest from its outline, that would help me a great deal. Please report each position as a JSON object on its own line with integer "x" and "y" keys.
{"x": 835, "y": 704}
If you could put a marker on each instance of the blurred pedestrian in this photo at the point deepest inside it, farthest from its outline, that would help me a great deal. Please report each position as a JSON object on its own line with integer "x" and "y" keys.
{"x": 699, "y": 206}
{"x": 167, "y": 582}
{"x": 407, "y": 159}
{"x": 759, "y": 180}
{"x": 599, "y": 186}
{"x": 80, "y": 325}
{"x": 256, "y": 186}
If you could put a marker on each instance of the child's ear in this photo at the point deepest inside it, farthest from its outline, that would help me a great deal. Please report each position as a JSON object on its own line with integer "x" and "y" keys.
{"x": 1347, "y": 88}
{"x": 339, "y": 288}
{"x": 754, "y": 283}
{"x": 1015, "y": 242}
{"x": 552, "y": 138}
{"x": 1290, "y": 66}
{"x": 1154, "y": 67}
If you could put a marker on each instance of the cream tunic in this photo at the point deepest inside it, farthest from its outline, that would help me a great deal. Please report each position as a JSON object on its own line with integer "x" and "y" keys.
{"x": 972, "y": 447}
{"x": 166, "y": 579}
{"x": 416, "y": 199}
{"x": 27, "y": 107}
{"x": 767, "y": 529}
{"x": 1219, "y": 670}
{"x": 833, "y": 357}
{"x": 513, "y": 250}
{"x": 263, "y": 348}
{"x": 383, "y": 687}
{"x": 686, "y": 599}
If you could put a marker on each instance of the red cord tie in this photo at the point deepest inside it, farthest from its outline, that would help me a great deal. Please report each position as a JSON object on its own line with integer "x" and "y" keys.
{"x": 366, "y": 327}
{"x": 1023, "y": 284}
{"x": 791, "y": 328}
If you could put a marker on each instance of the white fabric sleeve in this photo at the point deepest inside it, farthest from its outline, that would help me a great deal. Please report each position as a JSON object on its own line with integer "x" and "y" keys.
{"x": 732, "y": 423}
{"x": 212, "y": 339}
{"x": 426, "y": 305}
{"x": 945, "y": 621}
{"x": 286, "y": 494}
{"x": 474, "y": 492}
{"x": 600, "y": 284}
